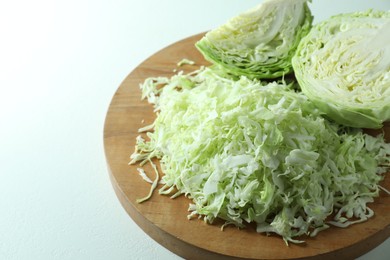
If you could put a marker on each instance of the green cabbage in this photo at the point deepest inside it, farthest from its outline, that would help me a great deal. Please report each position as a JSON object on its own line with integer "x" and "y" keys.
{"x": 259, "y": 43}
{"x": 246, "y": 151}
{"x": 343, "y": 66}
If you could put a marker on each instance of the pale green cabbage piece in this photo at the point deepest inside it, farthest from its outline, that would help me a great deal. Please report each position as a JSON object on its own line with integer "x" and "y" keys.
{"x": 260, "y": 42}
{"x": 246, "y": 151}
{"x": 343, "y": 66}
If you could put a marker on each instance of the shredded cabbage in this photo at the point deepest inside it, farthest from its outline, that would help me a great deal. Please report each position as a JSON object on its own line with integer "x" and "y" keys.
{"x": 260, "y": 42}
{"x": 343, "y": 66}
{"x": 247, "y": 151}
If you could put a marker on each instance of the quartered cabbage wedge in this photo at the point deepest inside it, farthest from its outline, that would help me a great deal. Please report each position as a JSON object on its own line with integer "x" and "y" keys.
{"x": 343, "y": 66}
{"x": 260, "y": 42}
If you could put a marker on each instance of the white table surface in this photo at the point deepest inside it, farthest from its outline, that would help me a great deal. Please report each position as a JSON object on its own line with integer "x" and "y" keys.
{"x": 60, "y": 64}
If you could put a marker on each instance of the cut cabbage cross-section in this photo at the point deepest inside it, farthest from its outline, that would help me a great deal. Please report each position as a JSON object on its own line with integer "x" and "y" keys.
{"x": 343, "y": 66}
{"x": 260, "y": 42}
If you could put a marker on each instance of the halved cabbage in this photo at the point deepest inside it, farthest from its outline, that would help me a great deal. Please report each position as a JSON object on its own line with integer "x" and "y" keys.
{"x": 343, "y": 65}
{"x": 260, "y": 42}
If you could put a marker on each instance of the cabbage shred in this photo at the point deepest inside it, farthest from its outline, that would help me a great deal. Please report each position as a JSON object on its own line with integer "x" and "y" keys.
{"x": 248, "y": 151}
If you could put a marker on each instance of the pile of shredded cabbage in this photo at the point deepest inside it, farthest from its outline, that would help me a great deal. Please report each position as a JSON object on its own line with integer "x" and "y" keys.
{"x": 248, "y": 151}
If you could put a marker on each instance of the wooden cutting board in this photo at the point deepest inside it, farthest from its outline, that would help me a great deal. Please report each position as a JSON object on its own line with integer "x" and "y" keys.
{"x": 165, "y": 219}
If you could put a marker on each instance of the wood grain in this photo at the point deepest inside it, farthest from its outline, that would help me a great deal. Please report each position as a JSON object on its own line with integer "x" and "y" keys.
{"x": 165, "y": 219}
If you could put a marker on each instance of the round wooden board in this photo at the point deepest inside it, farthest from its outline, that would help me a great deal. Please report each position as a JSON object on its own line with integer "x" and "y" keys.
{"x": 165, "y": 219}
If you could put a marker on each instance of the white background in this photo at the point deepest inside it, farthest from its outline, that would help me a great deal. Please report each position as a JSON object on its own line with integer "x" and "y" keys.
{"x": 60, "y": 64}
